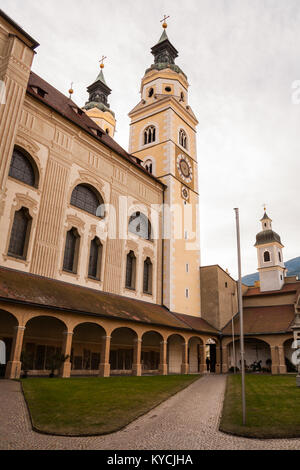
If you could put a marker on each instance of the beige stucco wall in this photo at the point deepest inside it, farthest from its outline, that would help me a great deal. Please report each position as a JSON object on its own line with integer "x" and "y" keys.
{"x": 66, "y": 157}
{"x": 218, "y": 296}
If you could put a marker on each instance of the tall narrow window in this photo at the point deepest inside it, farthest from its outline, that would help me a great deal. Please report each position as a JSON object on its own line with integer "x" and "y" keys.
{"x": 147, "y": 276}
{"x": 183, "y": 138}
{"x": 71, "y": 251}
{"x": 20, "y": 234}
{"x": 279, "y": 256}
{"x": 267, "y": 257}
{"x": 95, "y": 259}
{"x": 149, "y": 166}
{"x": 23, "y": 168}
{"x": 149, "y": 135}
{"x": 130, "y": 270}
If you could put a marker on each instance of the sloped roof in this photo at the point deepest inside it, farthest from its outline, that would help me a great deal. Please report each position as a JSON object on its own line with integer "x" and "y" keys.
{"x": 21, "y": 287}
{"x": 286, "y": 289}
{"x": 65, "y": 107}
{"x": 196, "y": 323}
{"x": 263, "y": 320}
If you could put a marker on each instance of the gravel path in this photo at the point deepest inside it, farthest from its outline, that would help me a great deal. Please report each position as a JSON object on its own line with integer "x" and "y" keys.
{"x": 187, "y": 421}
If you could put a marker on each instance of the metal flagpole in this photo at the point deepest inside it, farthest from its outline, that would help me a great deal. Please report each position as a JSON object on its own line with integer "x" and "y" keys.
{"x": 233, "y": 346}
{"x": 241, "y": 314}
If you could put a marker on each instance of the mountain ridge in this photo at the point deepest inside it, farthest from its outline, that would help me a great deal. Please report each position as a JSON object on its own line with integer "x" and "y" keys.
{"x": 293, "y": 267}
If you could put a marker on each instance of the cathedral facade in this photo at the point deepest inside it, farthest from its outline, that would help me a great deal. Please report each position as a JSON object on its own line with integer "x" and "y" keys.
{"x": 99, "y": 247}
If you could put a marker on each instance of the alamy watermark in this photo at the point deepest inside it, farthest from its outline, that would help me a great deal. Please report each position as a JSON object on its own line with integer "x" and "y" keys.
{"x": 296, "y": 353}
{"x": 2, "y": 92}
{"x": 296, "y": 92}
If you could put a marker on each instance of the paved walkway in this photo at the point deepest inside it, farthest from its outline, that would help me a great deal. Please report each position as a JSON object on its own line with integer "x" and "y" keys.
{"x": 189, "y": 420}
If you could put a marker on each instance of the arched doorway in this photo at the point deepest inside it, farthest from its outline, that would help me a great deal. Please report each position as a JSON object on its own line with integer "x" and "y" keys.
{"x": 43, "y": 341}
{"x": 86, "y": 349}
{"x": 257, "y": 352}
{"x": 174, "y": 353}
{"x": 122, "y": 351}
{"x": 8, "y": 323}
{"x": 211, "y": 355}
{"x": 151, "y": 346}
{"x": 288, "y": 352}
{"x": 194, "y": 355}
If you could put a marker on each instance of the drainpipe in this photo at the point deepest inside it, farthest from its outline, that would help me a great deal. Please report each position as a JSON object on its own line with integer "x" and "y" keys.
{"x": 163, "y": 248}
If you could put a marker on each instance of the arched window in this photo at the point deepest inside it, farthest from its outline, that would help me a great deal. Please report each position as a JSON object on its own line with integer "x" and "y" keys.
{"x": 151, "y": 92}
{"x": 140, "y": 225}
{"x": 95, "y": 259}
{"x": 149, "y": 135}
{"x": 22, "y": 168}
{"x": 71, "y": 251}
{"x": 147, "y": 289}
{"x": 183, "y": 138}
{"x": 149, "y": 166}
{"x": 87, "y": 198}
{"x": 267, "y": 257}
{"x": 20, "y": 233}
{"x": 130, "y": 270}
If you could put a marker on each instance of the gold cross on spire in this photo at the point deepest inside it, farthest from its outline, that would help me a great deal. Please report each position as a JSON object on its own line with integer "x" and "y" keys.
{"x": 164, "y": 21}
{"x": 102, "y": 62}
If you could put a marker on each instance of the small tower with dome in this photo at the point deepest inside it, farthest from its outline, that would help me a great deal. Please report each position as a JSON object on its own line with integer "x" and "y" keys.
{"x": 97, "y": 107}
{"x": 270, "y": 258}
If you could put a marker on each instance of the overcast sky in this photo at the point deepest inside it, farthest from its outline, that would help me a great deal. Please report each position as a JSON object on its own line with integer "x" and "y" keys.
{"x": 241, "y": 58}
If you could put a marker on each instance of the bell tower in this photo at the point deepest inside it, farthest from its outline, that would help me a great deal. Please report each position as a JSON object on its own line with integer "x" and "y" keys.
{"x": 270, "y": 258}
{"x": 97, "y": 107}
{"x": 163, "y": 136}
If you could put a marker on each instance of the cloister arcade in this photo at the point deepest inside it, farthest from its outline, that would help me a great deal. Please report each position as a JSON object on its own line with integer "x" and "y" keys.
{"x": 97, "y": 346}
{"x": 273, "y": 352}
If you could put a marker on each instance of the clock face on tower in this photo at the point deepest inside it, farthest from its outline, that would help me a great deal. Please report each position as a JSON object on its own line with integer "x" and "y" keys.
{"x": 185, "y": 168}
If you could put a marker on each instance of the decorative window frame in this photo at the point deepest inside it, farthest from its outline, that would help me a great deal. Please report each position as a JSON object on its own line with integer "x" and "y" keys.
{"x": 131, "y": 246}
{"x": 153, "y": 162}
{"x": 187, "y": 148}
{"x": 72, "y": 222}
{"x": 32, "y": 149}
{"x": 142, "y": 134}
{"x": 91, "y": 236}
{"x": 22, "y": 200}
{"x": 148, "y": 254}
{"x": 86, "y": 178}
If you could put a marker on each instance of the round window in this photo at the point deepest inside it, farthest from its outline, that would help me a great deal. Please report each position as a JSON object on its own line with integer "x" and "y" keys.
{"x": 168, "y": 89}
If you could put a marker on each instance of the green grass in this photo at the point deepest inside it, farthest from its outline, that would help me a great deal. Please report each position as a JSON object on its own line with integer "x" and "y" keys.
{"x": 273, "y": 407}
{"x": 94, "y": 406}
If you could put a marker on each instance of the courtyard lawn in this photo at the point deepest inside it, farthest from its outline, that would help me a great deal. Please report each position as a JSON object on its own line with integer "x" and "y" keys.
{"x": 273, "y": 406}
{"x": 94, "y": 406}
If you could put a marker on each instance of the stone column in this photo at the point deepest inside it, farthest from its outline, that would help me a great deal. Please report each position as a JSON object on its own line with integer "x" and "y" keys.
{"x": 225, "y": 365}
{"x": 274, "y": 357}
{"x": 137, "y": 353}
{"x": 66, "y": 351}
{"x": 282, "y": 365}
{"x": 218, "y": 359}
{"x": 163, "y": 366}
{"x": 185, "y": 365}
{"x": 14, "y": 366}
{"x": 105, "y": 353}
{"x": 203, "y": 368}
